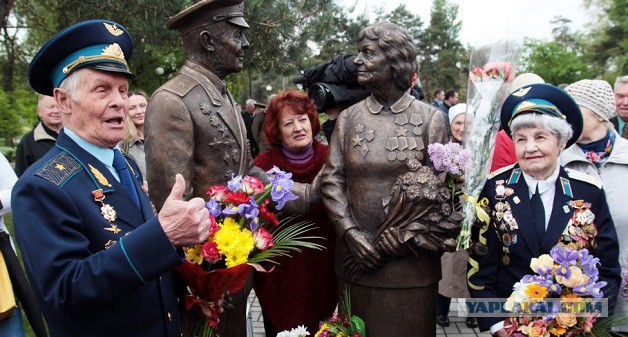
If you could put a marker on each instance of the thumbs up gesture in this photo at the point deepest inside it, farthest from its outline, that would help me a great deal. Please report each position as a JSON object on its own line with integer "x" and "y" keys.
{"x": 184, "y": 222}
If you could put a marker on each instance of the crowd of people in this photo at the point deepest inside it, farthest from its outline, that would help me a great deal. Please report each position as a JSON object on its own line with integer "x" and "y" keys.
{"x": 112, "y": 182}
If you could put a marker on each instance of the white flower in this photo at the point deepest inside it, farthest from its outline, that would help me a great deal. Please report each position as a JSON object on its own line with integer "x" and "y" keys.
{"x": 300, "y": 331}
{"x": 577, "y": 278}
{"x": 542, "y": 264}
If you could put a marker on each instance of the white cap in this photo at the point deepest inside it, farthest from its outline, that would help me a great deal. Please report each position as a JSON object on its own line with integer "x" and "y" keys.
{"x": 525, "y": 79}
{"x": 456, "y": 110}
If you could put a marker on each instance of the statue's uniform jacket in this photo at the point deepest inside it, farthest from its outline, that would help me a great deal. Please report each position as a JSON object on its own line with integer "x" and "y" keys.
{"x": 192, "y": 129}
{"x": 369, "y": 149}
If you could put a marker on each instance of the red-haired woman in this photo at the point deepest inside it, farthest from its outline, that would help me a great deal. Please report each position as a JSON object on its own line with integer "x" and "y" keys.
{"x": 302, "y": 289}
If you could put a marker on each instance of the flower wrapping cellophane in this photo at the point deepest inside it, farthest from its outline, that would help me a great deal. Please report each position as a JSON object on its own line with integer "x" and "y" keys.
{"x": 491, "y": 71}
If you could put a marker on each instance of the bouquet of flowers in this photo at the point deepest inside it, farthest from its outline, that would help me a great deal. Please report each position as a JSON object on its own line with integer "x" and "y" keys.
{"x": 340, "y": 324}
{"x": 244, "y": 232}
{"x": 489, "y": 82}
{"x": 565, "y": 277}
{"x": 450, "y": 158}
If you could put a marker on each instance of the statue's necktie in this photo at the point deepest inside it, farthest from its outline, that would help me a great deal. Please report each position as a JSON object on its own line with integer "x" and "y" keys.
{"x": 121, "y": 166}
{"x": 539, "y": 213}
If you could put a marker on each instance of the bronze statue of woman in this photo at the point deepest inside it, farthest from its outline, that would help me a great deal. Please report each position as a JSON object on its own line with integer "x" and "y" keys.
{"x": 376, "y": 143}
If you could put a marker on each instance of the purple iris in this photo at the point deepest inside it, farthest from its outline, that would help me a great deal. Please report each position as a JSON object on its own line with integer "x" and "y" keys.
{"x": 230, "y": 210}
{"x": 276, "y": 174}
{"x": 282, "y": 192}
{"x": 593, "y": 289}
{"x": 235, "y": 183}
{"x": 214, "y": 208}
{"x": 250, "y": 211}
{"x": 564, "y": 256}
{"x": 540, "y": 279}
{"x": 555, "y": 288}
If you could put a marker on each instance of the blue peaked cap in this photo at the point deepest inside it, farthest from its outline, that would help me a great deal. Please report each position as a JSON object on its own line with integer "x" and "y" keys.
{"x": 97, "y": 44}
{"x": 544, "y": 99}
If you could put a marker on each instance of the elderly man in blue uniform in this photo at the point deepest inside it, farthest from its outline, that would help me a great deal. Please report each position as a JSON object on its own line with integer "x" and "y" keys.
{"x": 534, "y": 204}
{"x": 98, "y": 258}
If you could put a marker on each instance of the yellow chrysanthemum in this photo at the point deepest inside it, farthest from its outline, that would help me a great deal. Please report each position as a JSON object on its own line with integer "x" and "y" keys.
{"x": 194, "y": 254}
{"x": 323, "y": 328}
{"x": 536, "y": 291}
{"x": 234, "y": 243}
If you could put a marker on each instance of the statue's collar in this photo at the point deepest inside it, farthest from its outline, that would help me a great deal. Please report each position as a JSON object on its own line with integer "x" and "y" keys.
{"x": 400, "y": 106}
{"x": 216, "y": 81}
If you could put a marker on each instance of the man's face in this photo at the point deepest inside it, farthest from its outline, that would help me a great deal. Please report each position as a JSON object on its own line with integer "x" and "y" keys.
{"x": 48, "y": 111}
{"x": 229, "y": 49}
{"x": 621, "y": 100}
{"x": 250, "y": 108}
{"x": 96, "y": 112}
{"x": 440, "y": 95}
{"x": 453, "y": 100}
{"x": 372, "y": 66}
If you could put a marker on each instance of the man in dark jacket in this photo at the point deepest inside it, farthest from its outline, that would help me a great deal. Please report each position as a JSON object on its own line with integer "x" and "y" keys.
{"x": 42, "y": 138}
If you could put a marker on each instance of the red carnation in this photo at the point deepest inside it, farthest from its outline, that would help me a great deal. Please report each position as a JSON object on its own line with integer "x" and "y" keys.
{"x": 237, "y": 198}
{"x": 270, "y": 216}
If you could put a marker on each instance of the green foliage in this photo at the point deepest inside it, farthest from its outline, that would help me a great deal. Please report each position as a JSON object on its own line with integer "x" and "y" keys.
{"x": 17, "y": 113}
{"x": 442, "y": 54}
{"x": 565, "y": 59}
{"x": 402, "y": 17}
{"x": 289, "y": 238}
{"x": 555, "y": 63}
{"x": 609, "y": 38}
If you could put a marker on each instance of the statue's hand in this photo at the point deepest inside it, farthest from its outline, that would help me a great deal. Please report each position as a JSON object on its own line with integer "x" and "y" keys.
{"x": 389, "y": 243}
{"x": 315, "y": 188}
{"x": 364, "y": 252}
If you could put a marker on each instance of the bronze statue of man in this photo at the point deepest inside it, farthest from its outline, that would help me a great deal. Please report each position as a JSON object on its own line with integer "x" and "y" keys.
{"x": 192, "y": 127}
{"x": 375, "y": 144}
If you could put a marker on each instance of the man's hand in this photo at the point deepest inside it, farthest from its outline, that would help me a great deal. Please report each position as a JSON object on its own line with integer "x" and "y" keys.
{"x": 184, "y": 222}
{"x": 364, "y": 252}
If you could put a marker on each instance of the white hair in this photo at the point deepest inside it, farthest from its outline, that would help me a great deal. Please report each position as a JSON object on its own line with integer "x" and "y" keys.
{"x": 557, "y": 126}
{"x": 71, "y": 83}
{"x": 620, "y": 79}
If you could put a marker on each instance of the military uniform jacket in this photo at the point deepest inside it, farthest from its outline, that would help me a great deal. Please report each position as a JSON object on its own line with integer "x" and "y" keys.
{"x": 371, "y": 146}
{"x": 495, "y": 275}
{"x": 192, "y": 128}
{"x": 94, "y": 273}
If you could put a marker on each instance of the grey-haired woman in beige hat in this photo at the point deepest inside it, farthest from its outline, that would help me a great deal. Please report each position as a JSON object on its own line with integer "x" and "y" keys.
{"x": 603, "y": 153}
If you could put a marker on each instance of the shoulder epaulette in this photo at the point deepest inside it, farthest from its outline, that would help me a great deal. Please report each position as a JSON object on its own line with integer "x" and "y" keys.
{"x": 580, "y": 176}
{"x": 180, "y": 85}
{"x": 500, "y": 171}
{"x": 59, "y": 169}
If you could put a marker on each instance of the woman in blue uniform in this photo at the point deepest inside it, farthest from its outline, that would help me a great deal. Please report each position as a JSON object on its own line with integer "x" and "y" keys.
{"x": 531, "y": 203}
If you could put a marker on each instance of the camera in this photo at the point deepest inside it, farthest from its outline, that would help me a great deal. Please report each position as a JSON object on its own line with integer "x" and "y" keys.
{"x": 333, "y": 83}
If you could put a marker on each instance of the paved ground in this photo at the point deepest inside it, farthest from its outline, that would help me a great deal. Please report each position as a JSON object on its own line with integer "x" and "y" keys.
{"x": 456, "y": 329}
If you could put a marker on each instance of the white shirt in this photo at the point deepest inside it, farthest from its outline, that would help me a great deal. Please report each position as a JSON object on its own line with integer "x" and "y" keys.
{"x": 547, "y": 189}
{"x": 7, "y": 180}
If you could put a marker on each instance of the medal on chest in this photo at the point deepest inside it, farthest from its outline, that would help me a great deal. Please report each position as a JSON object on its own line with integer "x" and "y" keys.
{"x": 108, "y": 213}
{"x": 505, "y": 223}
{"x": 581, "y": 230}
